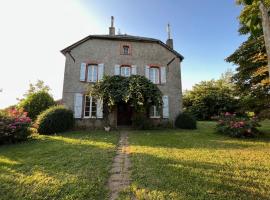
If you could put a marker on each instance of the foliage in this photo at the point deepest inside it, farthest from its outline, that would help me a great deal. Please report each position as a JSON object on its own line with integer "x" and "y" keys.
{"x": 251, "y": 78}
{"x": 36, "y": 102}
{"x": 14, "y": 126}
{"x": 54, "y": 120}
{"x": 58, "y": 167}
{"x": 185, "y": 121}
{"x": 38, "y": 86}
{"x": 140, "y": 92}
{"x": 141, "y": 122}
{"x": 234, "y": 126}
{"x": 209, "y": 98}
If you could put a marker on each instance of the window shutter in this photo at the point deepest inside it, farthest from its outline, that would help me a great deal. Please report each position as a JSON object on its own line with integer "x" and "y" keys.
{"x": 99, "y": 108}
{"x": 117, "y": 70}
{"x": 163, "y": 75}
{"x": 78, "y": 99}
{"x": 147, "y": 71}
{"x": 82, "y": 72}
{"x": 133, "y": 69}
{"x": 100, "y": 71}
{"x": 165, "y": 111}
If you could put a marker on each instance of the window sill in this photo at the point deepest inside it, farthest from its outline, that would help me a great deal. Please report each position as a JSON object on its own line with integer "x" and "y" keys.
{"x": 154, "y": 117}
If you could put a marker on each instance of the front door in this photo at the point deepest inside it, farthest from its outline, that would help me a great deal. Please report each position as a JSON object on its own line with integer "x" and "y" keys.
{"x": 124, "y": 114}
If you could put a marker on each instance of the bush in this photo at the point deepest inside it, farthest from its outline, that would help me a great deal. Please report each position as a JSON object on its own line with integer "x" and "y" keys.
{"x": 185, "y": 121}
{"x": 54, "y": 120}
{"x": 234, "y": 126}
{"x": 141, "y": 122}
{"x": 35, "y": 103}
{"x": 14, "y": 126}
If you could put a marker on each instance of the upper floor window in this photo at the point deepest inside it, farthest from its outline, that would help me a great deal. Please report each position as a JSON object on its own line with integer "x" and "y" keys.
{"x": 90, "y": 107}
{"x": 125, "y": 49}
{"x": 125, "y": 71}
{"x": 92, "y": 73}
{"x": 154, "y": 75}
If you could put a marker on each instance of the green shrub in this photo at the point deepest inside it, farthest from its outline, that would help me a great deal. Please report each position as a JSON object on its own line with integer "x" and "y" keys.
{"x": 141, "y": 122}
{"x": 14, "y": 126}
{"x": 54, "y": 120}
{"x": 234, "y": 126}
{"x": 35, "y": 103}
{"x": 185, "y": 121}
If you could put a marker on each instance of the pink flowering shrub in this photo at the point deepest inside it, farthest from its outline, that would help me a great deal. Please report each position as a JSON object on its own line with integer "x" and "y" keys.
{"x": 14, "y": 126}
{"x": 229, "y": 124}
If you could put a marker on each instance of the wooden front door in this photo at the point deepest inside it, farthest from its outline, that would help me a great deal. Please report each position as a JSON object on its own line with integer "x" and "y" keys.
{"x": 124, "y": 114}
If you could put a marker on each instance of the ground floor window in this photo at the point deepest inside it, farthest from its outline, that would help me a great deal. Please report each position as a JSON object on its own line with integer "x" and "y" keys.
{"x": 154, "y": 112}
{"x": 90, "y": 107}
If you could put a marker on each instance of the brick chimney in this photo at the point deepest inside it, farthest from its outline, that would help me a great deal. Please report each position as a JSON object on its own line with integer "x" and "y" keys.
{"x": 169, "y": 41}
{"x": 112, "y": 29}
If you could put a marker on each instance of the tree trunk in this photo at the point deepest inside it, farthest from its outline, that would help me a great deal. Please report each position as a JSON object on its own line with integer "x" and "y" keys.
{"x": 266, "y": 31}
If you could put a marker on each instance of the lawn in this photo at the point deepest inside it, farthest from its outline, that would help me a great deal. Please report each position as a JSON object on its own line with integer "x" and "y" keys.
{"x": 73, "y": 165}
{"x": 200, "y": 164}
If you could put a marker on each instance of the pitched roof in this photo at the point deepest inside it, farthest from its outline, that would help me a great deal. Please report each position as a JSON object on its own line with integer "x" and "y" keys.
{"x": 124, "y": 37}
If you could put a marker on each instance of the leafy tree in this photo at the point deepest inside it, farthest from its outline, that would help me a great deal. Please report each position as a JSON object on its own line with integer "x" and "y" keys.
{"x": 38, "y": 86}
{"x": 36, "y": 102}
{"x": 255, "y": 19}
{"x": 136, "y": 90}
{"x": 210, "y": 98}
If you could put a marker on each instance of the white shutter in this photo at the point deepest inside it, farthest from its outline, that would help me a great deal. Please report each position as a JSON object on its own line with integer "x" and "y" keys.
{"x": 78, "y": 99}
{"x": 82, "y": 72}
{"x": 117, "y": 70}
{"x": 147, "y": 71}
{"x": 133, "y": 69}
{"x": 165, "y": 111}
{"x": 100, "y": 71}
{"x": 163, "y": 75}
{"x": 99, "y": 108}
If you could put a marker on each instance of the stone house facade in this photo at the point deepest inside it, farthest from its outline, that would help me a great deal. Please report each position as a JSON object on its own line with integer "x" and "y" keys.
{"x": 89, "y": 59}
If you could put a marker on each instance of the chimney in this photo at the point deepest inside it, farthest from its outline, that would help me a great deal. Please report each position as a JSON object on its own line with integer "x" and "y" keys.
{"x": 169, "y": 41}
{"x": 112, "y": 29}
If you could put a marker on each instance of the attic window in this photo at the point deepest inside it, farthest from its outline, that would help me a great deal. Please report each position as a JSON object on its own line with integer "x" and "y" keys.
{"x": 125, "y": 49}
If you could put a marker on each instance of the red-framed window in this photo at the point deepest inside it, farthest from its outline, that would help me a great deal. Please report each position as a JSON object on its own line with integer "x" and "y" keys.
{"x": 125, "y": 70}
{"x": 125, "y": 49}
{"x": 154, "y": 74}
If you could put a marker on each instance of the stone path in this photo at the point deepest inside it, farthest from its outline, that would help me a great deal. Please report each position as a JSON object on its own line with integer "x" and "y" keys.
{"x": 120, "y": 172}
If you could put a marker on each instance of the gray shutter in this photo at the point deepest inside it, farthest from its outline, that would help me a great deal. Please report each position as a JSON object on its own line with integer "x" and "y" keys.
{"x": 117, "y": 70}
{"x": 147, "y": 71}
{"x": 100, "y": 71}
{"x": 82, "y": 72}
{"x": 78, "y": 99}
{"x": 163, "y": 75}
{"x": 99, "y": 108}
{"x": 133, "y": 69}
{"x": 165, "y": 111}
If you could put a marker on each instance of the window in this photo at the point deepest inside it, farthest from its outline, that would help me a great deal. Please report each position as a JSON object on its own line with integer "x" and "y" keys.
{"x": 125, "y": 71}
{"x": 126, "y": 50}
{"x": 154, "y": 112}
{"x": 90, "y": 107}
{"x": 154, "y": 75}
{"x": 92, "y": 73}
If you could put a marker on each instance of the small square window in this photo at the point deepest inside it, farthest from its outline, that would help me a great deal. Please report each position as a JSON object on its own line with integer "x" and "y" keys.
{"x": 125, "y": 49}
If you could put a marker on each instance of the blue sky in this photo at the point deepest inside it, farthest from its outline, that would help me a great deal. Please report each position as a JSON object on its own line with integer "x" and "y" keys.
{"x": 33, "y": 32}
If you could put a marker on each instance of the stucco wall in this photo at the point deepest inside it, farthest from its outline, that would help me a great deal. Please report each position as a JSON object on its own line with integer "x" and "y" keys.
{"x": 108, "y": 52}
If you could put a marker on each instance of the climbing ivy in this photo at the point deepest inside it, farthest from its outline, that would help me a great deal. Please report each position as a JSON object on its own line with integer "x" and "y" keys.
{"x": 136, "y": 90}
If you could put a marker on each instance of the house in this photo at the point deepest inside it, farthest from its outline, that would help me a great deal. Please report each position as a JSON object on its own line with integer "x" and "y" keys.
{"x": 89, "y": 59}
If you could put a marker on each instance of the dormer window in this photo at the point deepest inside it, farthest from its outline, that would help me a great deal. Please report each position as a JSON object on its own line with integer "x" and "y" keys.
{"x": 125, "y": 49}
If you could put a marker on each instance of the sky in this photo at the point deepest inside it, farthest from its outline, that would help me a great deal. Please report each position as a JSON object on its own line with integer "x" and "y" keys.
{"x": 33, "y": 32}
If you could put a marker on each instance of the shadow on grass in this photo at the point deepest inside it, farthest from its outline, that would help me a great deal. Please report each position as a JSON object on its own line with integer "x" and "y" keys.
{"x": 159, "y": 178}
{"x": 72, "y": 165}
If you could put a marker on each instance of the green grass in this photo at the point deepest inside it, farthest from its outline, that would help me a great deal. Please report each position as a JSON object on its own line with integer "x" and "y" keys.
{"x": 73, "y": 165}
{"x": 199, "y": 164}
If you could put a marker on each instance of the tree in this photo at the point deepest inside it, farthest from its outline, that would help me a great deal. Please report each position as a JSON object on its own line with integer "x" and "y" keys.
{"x": 255, "y": 19}
{"x": 210, "y": 98}
{"x": 36, "y": 102}
{"x": 136, "y": 90}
